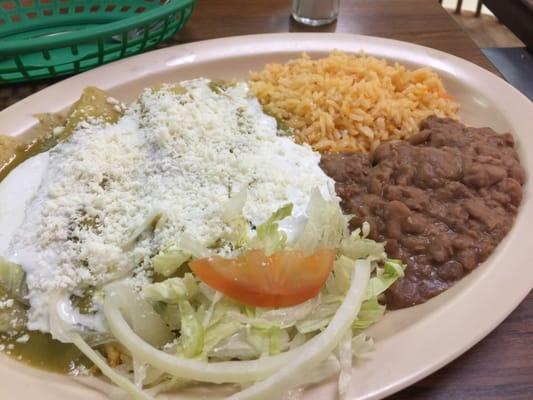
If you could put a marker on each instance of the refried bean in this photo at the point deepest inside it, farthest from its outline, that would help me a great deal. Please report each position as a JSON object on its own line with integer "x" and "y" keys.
{"x": 441, "y": 201}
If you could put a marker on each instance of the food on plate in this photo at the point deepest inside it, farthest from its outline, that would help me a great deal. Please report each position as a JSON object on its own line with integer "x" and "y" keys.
{"x": 13, "y": 151}
{"x": 243, "y": 233}
{"x": 53, "y": 128}
{"x": 344, "y": 103}
{"x": 8, "y": 147}
{"x": 282, "y": 279}
{"x": 442, "y": 201}
{"x": 185, "y": 240}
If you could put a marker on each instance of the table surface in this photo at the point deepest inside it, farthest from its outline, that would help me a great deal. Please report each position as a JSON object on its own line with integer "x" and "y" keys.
{"x": 500, "y": 366}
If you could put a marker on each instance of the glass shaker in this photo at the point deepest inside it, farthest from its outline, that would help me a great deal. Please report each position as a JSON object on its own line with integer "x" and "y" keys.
{"x": 315, "y": 12}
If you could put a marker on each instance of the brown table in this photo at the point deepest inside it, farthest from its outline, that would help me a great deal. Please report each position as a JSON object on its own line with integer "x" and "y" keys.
{"x": 501, "y": 366}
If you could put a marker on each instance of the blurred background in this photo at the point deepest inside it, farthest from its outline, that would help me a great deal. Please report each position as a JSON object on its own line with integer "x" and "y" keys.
{"x": 481, "y": 24}
{"x": 42, "y": 41}
{"x": 503, "y": 29}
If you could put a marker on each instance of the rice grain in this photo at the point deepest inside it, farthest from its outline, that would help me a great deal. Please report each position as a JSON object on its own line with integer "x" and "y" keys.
{"x": 349, "y": 102}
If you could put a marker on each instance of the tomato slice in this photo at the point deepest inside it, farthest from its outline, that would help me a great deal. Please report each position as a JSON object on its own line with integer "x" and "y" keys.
{"x": 283, "y": 279}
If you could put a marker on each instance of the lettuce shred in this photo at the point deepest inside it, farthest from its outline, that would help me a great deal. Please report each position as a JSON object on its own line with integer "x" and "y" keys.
{"x": 210, "y": 327}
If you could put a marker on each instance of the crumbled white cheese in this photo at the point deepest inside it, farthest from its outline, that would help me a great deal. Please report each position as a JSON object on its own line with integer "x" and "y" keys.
{"x": 78, "y": 370}
{"x": 112, "y": 101}
{"x": 6, "y": 303}
{"x": 173, "y": 156}
{"x": 23, "y": 339}
{"x": 75, "y": 225}
{"x": 58, "y": 130}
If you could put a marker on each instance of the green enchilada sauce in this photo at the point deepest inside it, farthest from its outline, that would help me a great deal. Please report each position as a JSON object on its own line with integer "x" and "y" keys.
{"x": 33, "y": 347}
{"x": 36, "y": 348}
{"x": 41, "y": 351}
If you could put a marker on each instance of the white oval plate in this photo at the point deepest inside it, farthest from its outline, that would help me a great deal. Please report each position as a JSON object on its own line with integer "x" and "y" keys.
{"x": 411, "y": 343}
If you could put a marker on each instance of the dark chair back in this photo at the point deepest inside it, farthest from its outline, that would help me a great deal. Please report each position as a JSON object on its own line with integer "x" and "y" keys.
{"x": 517, "y": 15}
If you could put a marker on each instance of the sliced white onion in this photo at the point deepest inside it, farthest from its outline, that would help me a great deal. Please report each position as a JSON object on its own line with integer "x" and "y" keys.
{"x": 139, "y": 372}
{"x": 314, "y": 351}
{"x": 116, "y": 378}
{"x": 140, "y": 314}
{"x": 345, "y": 358}
{"x": 218, "y": 372}
{"x": 61, "y": 330}
{"x": 317, "y": 349}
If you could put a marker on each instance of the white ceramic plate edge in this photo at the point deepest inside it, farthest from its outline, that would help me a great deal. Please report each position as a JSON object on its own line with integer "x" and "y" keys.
{"x": 395, "y": 365}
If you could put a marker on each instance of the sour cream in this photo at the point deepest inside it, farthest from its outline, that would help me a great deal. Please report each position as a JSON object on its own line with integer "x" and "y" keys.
{"x": 16, "y": 192}
{"x": 77, "y": 214}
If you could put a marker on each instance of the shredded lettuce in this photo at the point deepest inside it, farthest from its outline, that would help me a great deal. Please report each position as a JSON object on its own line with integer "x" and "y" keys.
{"x": 168, "y": 262}
{"x": 139, "y": 372}
{"x": 318, "y": 348}
{"x": 217, "y": 339}
{"x": 172, "y": 290}
{"x": 225, "y": 371}
{"x": 194, "y": 248}
{"x": 275, "y": 341}
{"x": 385, "y": 276}
{"x": 266, "y": 318}
{"x": 321, "y": 372}
{"x": 287, "y": 316}
{"x": 356, "y": 246}
{"x": 213, "y": 327}
{"x": 13, "y": 280}
{"x": 238, "y": 232}
{"x": 191, "y": 330}
{"x": 268, "y": 235}
{"x": 320, "y": 316}
{"x": 222, "y": 341}
{"x": 239, "y": 371}
{"x": 325, "y": 227}
{"x": 209, "y": 313}
{"x": 362, "y": 346}
{"x": 345, "y": 359}
{"x": 338, "y": 282}
{"x": 371, "y": 312}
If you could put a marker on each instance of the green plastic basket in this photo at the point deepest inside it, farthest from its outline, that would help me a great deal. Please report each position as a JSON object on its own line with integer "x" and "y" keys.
{"x": 48, "y": 38}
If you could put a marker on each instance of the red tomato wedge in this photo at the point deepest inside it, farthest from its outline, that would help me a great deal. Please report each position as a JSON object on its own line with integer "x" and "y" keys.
{"x": 283, "y": 279}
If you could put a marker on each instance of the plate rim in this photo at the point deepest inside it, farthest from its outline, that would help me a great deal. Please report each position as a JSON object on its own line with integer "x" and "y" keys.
{"x": 16, "y": 119}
